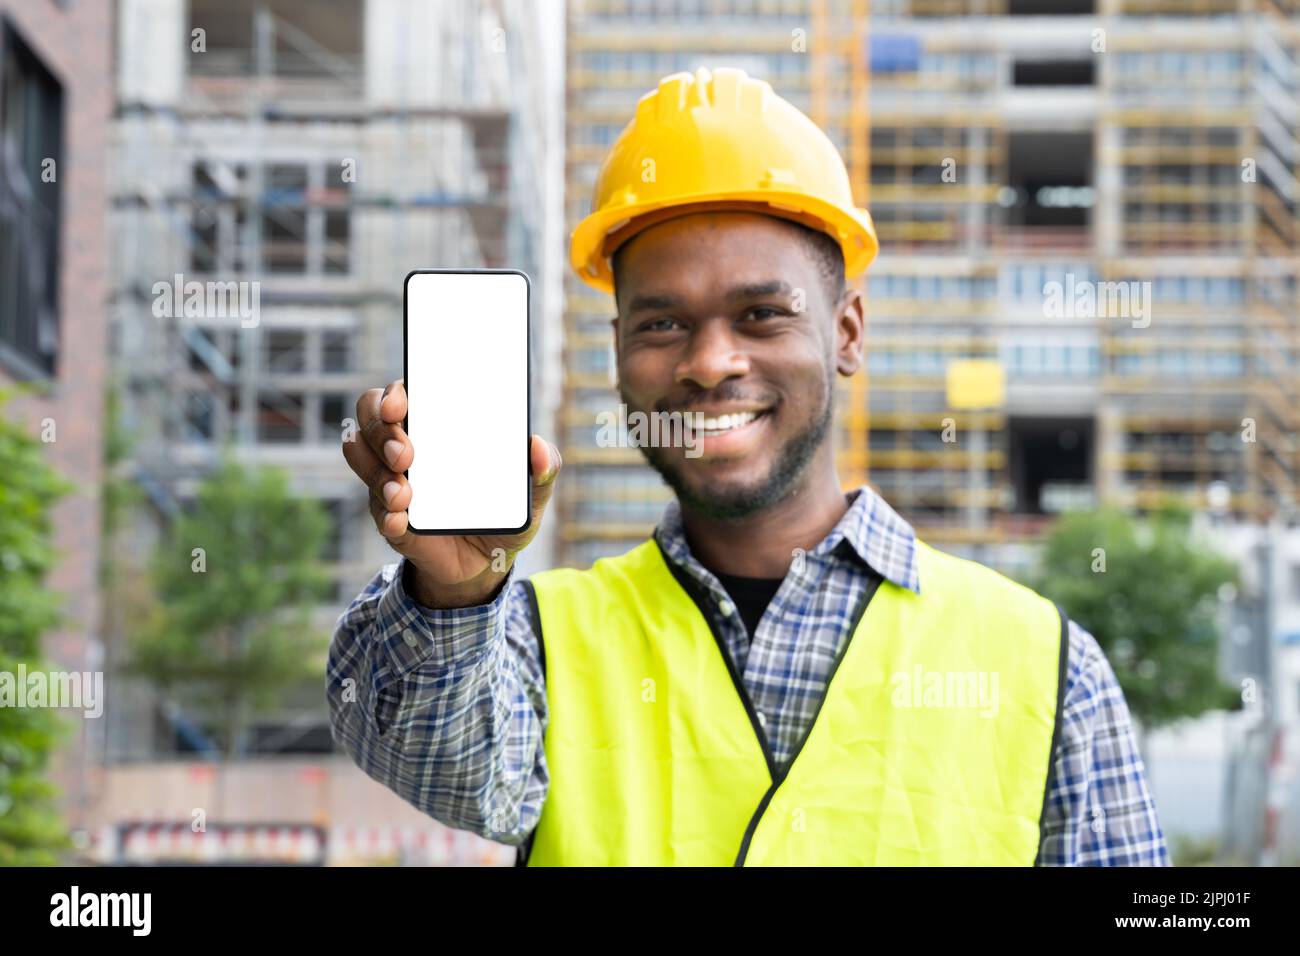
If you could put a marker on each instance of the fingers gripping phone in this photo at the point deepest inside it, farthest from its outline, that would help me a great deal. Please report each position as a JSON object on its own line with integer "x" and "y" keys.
{"x": 467, "y": 390}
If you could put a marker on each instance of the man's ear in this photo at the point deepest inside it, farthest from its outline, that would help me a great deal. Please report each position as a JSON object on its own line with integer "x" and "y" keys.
{"x": 850, "y": 331}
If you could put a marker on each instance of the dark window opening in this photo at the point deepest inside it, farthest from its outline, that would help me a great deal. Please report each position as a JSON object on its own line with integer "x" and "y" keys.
{"x": 1050, "y": 175}
{"x": 284, "y": 218}
{"x": 205, "y": 248}
{"x": 308, "y": 39}
{"x": 31, "y": 171}
{"x": 199, "y": 422}
{"x": 336, "y": 351}
{"x": 1044, "y": 8}
{"x": 333, "y": 409}
{"x": 194, "y": 733}
{"x": 290, "y": 738}
{"x": 279, "y": 418}
{"x": 283, "y": 235}
{"x": 285, "y": 183}
{"x": 286, "y": 351}
{"x": 199, "y": 346}
{"x": 1051, "y": 463}
{"x": 1054, "y": 73}
{"x": 338, "y": 231}
{"x": 219, "y": 216}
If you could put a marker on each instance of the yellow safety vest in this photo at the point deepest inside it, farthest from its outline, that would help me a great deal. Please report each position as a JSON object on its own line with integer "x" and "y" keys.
{"x": 656, "y": 756}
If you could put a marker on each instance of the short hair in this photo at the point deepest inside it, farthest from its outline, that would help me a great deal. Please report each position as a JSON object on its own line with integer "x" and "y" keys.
{"x": 826, "y": 252}
{"x": 821, "y": 246}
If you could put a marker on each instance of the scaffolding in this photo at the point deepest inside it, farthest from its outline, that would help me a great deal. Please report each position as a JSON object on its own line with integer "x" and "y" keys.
{"x": 251, "y": 177}
{"x": 318, "y": 175}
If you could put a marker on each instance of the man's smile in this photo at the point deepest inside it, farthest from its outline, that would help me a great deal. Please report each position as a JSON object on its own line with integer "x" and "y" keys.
{"x": 725, "y": 433}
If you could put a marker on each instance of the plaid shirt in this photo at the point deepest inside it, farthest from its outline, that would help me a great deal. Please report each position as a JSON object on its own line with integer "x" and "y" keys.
{"x": 447, "y": 708}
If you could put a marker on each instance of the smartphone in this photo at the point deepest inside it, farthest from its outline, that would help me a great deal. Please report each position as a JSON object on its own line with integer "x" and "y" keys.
{"x": 468, "y": 400}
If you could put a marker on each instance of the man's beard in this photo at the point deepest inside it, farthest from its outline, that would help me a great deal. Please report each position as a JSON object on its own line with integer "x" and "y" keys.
{"x": 784, "y": 479}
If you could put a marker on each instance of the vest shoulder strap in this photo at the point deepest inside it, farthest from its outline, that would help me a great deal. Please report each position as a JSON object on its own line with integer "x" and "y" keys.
{"x": 992, "y": 598}
{"x": 607, "y": 584}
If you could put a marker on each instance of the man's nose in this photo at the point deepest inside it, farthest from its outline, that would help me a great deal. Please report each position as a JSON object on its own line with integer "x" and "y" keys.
{"x": 713, "y": 355}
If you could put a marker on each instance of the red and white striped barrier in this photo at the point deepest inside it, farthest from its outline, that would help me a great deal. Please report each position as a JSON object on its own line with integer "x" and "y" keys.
{"x": 144, "y": 843}
{"x": 153, "y": 841}
{"x": 435, "y": 846}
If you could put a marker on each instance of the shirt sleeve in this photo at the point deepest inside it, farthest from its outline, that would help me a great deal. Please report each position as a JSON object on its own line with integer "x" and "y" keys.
{"x": 1099, "y": 810}
{"x": 446, "y": 708}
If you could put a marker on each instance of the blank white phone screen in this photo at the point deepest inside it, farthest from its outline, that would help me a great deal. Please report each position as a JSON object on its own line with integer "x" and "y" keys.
{"x": 467, "y": 400}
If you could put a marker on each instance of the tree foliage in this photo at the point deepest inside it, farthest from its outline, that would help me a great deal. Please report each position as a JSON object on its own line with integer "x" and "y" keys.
{"x": 31, "y": 830}
{"x": 236, "y": 578}
{"x": 1147, "y": 590}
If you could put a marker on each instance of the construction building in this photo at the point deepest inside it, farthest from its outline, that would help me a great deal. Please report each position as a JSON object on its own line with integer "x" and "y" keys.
{"x": 1098, "y": 197}
{"x": 308, "y": 155}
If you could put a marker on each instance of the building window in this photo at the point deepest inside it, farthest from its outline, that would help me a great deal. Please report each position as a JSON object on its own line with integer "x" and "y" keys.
{"x": 279, "y": 418}
{"x": 31, "y": 158}
{"x": 220, "y": 216}
{"x": 302, "y": 216}
{"x": 333, "y": 409}
{"x": 336, "y": 351}
{"x": 302, "y": 41}
{"x": 198, "y": 424}
{"x": 286, "y": 351}
{"x": 336, "y": 258}
{"x": 284, "y": 219}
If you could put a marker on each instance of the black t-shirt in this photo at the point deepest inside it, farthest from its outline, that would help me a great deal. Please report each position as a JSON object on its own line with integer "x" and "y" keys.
{"x": 751, "y": 596}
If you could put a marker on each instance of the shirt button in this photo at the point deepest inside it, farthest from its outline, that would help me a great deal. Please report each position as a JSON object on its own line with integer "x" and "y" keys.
{"x": 762, "y": 720}
{"x": 408, "y": 635}
{"x": 726, "y": 608}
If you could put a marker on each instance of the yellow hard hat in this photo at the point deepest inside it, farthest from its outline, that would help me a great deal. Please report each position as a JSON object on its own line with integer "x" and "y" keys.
{"x": 718, "y": 140}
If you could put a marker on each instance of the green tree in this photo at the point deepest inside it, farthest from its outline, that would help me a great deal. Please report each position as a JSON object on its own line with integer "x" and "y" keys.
{"x": 1147, "y": 590}
{"x": 31, "y": 831}
{"x": 236, "y": 579}
{"x": 126, "y": 595}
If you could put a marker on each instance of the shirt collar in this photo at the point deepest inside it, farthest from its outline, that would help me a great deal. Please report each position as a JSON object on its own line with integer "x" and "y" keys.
{"x": 874, "y": 531}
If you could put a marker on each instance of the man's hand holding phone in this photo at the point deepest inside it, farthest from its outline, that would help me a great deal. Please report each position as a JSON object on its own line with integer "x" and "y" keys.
{"x": 448, "y": 571}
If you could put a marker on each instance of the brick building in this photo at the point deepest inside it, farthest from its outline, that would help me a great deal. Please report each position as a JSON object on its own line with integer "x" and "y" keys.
{"x": 55, "y": 108}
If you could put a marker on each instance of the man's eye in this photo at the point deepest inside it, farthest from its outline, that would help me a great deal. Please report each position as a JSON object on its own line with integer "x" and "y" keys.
{"x": 659, "y": 325}
{"x": 764, "y": 312}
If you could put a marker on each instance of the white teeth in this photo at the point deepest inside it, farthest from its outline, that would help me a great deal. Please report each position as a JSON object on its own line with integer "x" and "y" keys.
{"x": 726, "y": 423}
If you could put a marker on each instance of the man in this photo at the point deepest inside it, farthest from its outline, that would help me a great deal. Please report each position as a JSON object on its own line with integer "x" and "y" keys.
{"x": 783, "y": 674}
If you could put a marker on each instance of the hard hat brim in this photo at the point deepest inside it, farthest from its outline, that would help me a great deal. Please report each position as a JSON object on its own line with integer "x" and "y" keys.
{"x": 598, "y": 235}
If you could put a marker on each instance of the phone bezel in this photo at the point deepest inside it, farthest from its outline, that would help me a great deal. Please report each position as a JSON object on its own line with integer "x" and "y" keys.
{"x": 528, "y": 393}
